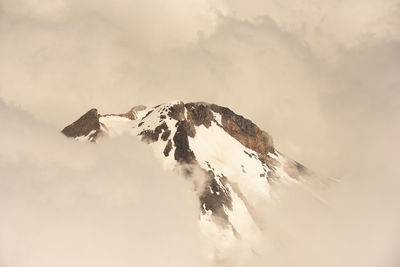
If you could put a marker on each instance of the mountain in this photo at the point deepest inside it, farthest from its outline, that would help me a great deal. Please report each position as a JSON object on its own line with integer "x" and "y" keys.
{"x": 238, "y": 159}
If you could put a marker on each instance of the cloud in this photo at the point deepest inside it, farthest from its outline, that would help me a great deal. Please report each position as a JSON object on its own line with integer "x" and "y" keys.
{"x": 66, "y": 203}
{"x": 355, "y": 225}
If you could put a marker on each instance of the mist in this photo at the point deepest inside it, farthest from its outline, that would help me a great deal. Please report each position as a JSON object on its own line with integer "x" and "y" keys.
{"x": 70, "y": 204}
{"x": 321, "y": 78}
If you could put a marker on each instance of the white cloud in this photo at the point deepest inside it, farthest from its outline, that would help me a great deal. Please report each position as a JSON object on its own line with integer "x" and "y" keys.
{"x": 65, "y": 203}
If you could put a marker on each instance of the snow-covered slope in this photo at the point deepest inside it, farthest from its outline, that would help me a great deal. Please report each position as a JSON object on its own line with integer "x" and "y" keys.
{"x": 237, "y": 158}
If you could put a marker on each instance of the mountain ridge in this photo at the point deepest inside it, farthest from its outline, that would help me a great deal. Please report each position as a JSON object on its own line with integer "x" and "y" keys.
{"x": 238, "y": 160}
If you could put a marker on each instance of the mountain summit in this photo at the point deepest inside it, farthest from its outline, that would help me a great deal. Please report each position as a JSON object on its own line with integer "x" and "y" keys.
{"x": 238, "y": 159}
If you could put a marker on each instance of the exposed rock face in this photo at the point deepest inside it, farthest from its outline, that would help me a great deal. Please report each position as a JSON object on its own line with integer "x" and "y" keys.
{"x": 88, "y": 123}
{"x": 183, "y": 153}
{"x": 199, "y": 114}
{"x": 191, "y": 115}
{"x": 245, "y": 131}
{"x": 150, "y": 136}
{"x": 177, "y": 111}
{"x": 242, "y": 129}
{"x": 165, "y": 135}
{"x": 167, "y": 148}
{"x": 131, "y": 114}
{"x": 216, "y": 197}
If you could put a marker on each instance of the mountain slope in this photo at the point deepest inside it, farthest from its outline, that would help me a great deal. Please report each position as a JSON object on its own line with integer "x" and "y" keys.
{"x": 238, "y": 159}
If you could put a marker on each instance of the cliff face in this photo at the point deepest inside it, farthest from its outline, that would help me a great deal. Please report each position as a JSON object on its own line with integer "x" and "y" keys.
{"x": 238, "y": 159}
{"x": 87, "y": 125}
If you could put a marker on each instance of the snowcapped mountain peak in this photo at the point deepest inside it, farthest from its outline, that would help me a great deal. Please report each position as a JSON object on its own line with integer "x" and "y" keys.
{"x": 238, "y": 159}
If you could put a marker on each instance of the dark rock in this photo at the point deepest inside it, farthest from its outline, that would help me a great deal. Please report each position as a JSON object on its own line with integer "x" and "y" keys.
{"x": 210, "y": 200}
{"x": 165, "y": 135}
{"x": 151, "y": 136}
{"x": 199, "y": 114}
{"x": 183, "y": 153}
{"x": 131, "y": 114}
{"x": 147, "y": 114}
{"x": 177, "y": 112}
{"x": 84, "y": 125}
{"x": 245, "y": 131}
{"x": 167, "y": 148}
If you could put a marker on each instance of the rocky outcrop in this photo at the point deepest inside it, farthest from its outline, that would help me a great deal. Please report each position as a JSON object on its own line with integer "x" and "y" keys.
{"x": 88, "y": 123}
{"x": 240, "y": 128}
{"x": 131, "y": 114}
{"x": 167, "y": 148}
{"x": 183, "y": 153}
{"x": 199, "y": 114}
{"x": 177, "y": 111}
{"x": 244, "y": 130}
{"x": 216, "y": 196}
{"x": 150, "y": 136}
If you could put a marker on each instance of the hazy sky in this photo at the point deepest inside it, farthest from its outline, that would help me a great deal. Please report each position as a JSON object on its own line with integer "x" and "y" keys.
{"x": 322, "y": 77}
